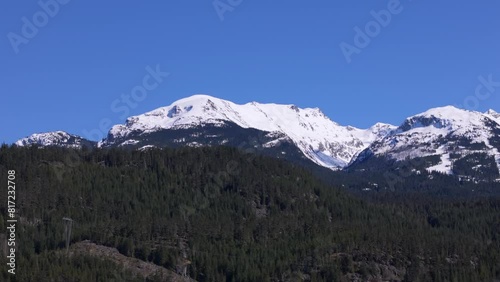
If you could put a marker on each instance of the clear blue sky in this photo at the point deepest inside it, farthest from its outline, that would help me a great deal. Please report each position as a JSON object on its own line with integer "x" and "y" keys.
{"x": 285, "y": 51}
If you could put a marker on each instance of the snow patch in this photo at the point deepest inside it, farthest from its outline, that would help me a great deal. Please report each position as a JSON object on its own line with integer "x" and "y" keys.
{"x": 445, "y": 166}
{"x": 129, "y": 142}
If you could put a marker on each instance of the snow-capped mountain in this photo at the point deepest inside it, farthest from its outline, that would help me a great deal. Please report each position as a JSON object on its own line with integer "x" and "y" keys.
{"x": 493, "y": 115}
{"x": 451, "y": 140}
{"x": 56, "y": 138}
{"x": 456, "y": 136}
{"x": 320, "y": 139}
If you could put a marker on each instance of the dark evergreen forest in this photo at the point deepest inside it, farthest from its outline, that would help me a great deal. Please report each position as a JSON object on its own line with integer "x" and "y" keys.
{"x": 224, "y": 215}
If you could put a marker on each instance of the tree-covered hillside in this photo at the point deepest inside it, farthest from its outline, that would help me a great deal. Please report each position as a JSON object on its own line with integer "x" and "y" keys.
{"x": 222, "y": 215}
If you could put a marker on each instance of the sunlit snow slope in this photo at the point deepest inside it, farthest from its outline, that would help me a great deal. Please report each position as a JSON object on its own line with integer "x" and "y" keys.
{"x": 320, "y": 139}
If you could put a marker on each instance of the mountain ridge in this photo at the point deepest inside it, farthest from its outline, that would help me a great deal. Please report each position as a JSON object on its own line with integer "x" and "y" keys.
{"x": 452, "y": 134}
{"x": 320, "y": 139}
{"x": 203, "y": 120}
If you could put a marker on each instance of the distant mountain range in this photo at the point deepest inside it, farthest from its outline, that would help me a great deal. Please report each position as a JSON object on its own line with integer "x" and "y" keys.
{"x": 452, "y": 140}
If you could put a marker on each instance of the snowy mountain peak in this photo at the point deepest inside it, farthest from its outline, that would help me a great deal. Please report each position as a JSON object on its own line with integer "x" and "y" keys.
{"x": 493, "y": 115}
{"x": 382, "y": 127}
{"x": 320, "y": 139}
{"x": 55, "y": 138}
{"x": 491, "y": 112}
{"x": 444, "y": 131}
{"x": 449, "y": 109}
{"x": 201, "y": 120}
{"x": 447, "y": 112}
{"x": 444, "y": 117}
{"x": 380, "y": 130}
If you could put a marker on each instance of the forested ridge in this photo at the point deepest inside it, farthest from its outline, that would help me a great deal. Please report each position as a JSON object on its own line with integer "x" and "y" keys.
{"x": 223, "y": 215}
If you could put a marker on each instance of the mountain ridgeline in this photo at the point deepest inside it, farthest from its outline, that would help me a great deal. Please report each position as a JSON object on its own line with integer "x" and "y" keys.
{"x": 463, "y": 144}
{"x": 220, "y": 214}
